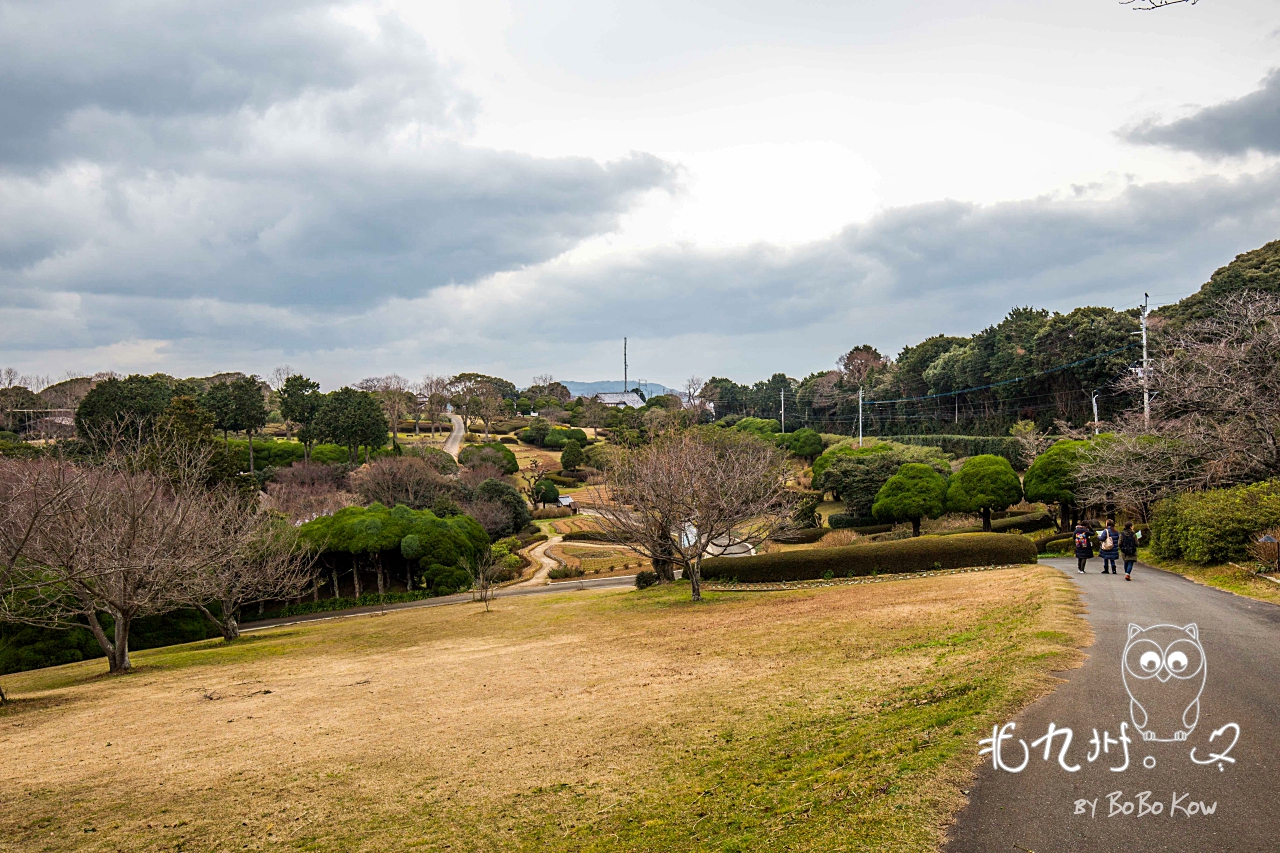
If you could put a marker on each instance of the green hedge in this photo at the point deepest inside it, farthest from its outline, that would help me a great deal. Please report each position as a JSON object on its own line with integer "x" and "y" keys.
{"x": 587, "y": 536}
{"x": 838, "y": 520}
{"x": 908, "y": 555}
{"x": 971, "y": 445}
{"x": 1214, "y": 526}
{"x": 1025, "y": 523}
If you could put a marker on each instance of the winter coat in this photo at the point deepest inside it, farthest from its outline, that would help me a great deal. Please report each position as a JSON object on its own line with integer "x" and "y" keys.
{"x": 1112, "y": 553}
{"x": 1128, "y": 544}
{"x": 1087, "y": 551}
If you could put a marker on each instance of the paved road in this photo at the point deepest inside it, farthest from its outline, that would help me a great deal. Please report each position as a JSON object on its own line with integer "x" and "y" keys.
{"x": 1035, "y": 809}
{"x": 618, "y": 582}
{"x": 453, "y": 444}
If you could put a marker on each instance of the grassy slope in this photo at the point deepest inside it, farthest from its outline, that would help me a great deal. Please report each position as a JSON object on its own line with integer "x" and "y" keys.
{"x": 1237, "y": 579}
{"x": 842, "y": 719}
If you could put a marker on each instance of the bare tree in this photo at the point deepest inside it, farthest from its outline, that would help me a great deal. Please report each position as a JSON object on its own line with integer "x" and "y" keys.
{"x": 694, "y": 492}
{"x": 117, "y": 538}
{"x": 393, "y": 395}
{"x": 1150, "y": 5}
{"x": 1217, "y": 389}
{"x": 404, "y": 480}
{"x": 266, "y": 563}
{"x": 275, "y": 382}
{"x": 483, "y": 568}
{"x": 693, "y": 400}
{"x": 859, "y": 363}
{"x": 1031, "y": 441}
{"x": 487, "y": 405}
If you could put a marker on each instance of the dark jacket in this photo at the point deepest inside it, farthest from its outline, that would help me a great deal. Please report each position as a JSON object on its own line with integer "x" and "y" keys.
{"x": 1128, "y": 544}
{"x": 1114, "y": 551}
{"x": 1087, "y": 551}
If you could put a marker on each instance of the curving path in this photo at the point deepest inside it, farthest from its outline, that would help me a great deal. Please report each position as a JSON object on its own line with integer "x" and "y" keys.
{"x": 1049, "y": 809}
{"x": 453, "y": 444}
{"x": 545, "y": 563}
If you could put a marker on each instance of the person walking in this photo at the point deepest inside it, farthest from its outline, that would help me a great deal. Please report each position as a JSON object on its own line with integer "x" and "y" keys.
{"x": 1129, "y": 547}
{"x": 1084, "y": 545}
{"x": 1109, "y": 546}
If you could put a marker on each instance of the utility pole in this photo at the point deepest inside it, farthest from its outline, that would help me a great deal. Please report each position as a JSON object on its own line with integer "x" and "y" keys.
{"x": 625, "y": 389}
{"x": 1146, "y": 388}
{"x": 859, "y": 417}
{"x": 783, "y": 396}
{"x": 1095, "y": 411}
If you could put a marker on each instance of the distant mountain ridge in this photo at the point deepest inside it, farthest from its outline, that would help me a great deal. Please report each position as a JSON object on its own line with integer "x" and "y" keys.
{"x": 586, "y": 389}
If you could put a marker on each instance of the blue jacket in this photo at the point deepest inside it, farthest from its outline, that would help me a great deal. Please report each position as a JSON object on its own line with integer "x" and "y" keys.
{"x": 1113, "y": 552}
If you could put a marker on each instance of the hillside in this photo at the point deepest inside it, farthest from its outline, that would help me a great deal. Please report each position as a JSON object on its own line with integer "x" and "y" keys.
{"x": 1255, "y": 270}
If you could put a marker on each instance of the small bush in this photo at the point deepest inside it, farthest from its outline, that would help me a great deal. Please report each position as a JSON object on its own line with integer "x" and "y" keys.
{"x": 646, "y": 579}
{"x": 909, "y": 555}
{"x": 858, "y": 524}
{"x": 839, "y": 538}
{"x": 493, "y": 453}
{"x": 561, "y": 480}
{"x": 566, "y": 572}
{"x": 552, "y": 512}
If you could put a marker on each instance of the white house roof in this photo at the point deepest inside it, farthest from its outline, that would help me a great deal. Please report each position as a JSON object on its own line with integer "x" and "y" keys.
{"x": 628, "y": 398}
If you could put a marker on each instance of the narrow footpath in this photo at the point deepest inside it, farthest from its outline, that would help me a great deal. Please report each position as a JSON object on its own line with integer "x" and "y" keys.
{"x": 1199, "y": 668}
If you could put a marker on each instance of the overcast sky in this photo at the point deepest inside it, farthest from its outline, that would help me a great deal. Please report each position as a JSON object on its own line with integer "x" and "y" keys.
{"x": 738, "y": 187}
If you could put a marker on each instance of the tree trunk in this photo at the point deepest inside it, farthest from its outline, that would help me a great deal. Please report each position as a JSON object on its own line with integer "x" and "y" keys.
{"x": 381, "y": 585}
{"x": 986, "y": 519}
{"x": 408, "y": 577}
{"x": 100, "y": 635}
{"x": 915, "y": 527}
{"x": 250, "y": 434}
{"x": 315, "y": 590}
{"x": 119, "y": 657}
{"x": 230, "y": 621}
{"x": 355, "y": 576}
{"x": 662, "y": 566}
{"x": 695, "y": 578}
{"x": 2, "y": 699}
{"x": 336, "y": 592}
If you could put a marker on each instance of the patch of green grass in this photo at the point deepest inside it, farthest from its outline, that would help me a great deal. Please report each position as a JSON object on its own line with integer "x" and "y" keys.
{"x": 1239, "y": 579}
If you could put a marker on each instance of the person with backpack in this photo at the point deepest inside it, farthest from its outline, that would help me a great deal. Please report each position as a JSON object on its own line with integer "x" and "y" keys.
{"x": 1084, "y": 546}
{"x": 1129, "y": 547}
{"x": 1109, "y": 546}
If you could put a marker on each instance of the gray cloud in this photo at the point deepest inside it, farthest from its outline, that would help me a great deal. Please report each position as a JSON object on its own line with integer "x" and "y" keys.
{"x": 903, "y": 275}
{"x": 1248, "y": 123}
{"x": 270, "y": 153}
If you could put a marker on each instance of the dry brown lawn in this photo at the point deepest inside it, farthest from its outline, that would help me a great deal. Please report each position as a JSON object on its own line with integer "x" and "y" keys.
{"x": 840, "y": 719}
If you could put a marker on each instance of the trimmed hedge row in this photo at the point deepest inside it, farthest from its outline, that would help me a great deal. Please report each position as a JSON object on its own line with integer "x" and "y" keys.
{"x": 800, "y": 537}
{"x": 1214, "y": 526}
{"x": 970, "y": 445}
{"x": 840, "y": 520}
{"x": 922, "y": 554}
{"x": 586, "y": 536}
{"x": 1028, "y": 523}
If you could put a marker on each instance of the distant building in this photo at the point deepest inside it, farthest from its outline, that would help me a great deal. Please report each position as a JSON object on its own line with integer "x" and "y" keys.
{"x": 619, "y": 400}
{"x": 568, "y": 503}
